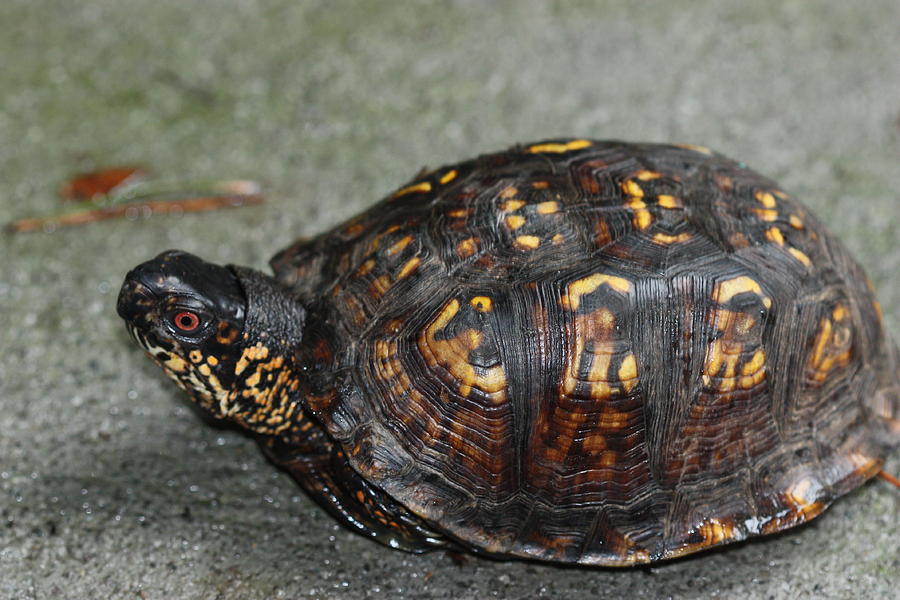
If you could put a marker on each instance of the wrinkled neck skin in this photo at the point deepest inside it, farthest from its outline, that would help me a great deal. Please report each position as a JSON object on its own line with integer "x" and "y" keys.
{"x": 263, "y": 395}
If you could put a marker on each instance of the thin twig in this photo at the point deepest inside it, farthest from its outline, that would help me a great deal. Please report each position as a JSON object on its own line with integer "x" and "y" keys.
{"x": 889, "y": 478}
{"x": 134, "y": 210}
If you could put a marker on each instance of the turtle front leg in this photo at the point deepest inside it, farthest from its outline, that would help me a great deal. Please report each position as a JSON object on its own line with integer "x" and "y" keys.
{"x": 322, "y": 470}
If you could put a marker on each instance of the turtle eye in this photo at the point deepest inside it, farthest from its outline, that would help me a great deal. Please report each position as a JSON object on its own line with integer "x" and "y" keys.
{"x": 185, "y": 321}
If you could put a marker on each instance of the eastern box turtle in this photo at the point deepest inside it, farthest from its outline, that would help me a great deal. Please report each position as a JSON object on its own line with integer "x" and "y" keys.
{"x": 574, "y": 351}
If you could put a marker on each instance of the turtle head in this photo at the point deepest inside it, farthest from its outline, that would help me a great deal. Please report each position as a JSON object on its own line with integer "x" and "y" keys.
{"x": 225, "y": 334}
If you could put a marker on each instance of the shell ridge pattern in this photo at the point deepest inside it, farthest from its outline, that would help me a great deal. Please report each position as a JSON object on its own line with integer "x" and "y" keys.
{"x": 558, "y": 349}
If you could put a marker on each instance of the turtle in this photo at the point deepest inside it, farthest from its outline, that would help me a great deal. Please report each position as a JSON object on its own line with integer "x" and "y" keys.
{"x": 575, "y": 351}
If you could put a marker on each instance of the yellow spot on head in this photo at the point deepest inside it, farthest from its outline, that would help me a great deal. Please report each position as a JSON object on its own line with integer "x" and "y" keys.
{"x": 540, "y": 185}
{"x": 548, "y": 208}
{"x": 195, "y": 355}
{"x": 558, "y": 238}
{"x": 648, "y": 175}
{"x": 528, "y": 241}
{"x": 839, "y": 313}
{"x": 448, "y": 176}
{"x": 515, "y": 221}
{"x": 774, "y": 235}
{"x": 796, "y": 222}
{"x": 557, "y": 148}
{"x": 423, "y": 186}
{"x": 212, "y": 360}
{"x": 204, "y": 370}
{"x": 667, "y": 201}
{"x": 481, "y": 303}
{"x": 511, "y": 205}
{"x": 803, "y": 258}
{"x": 589, "y": 284}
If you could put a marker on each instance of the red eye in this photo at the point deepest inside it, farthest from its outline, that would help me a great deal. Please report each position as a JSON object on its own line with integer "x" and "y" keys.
{"x": 186, "y": 321}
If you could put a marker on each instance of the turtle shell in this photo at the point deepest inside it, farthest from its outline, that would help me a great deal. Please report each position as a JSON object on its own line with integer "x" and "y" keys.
{"x": 597, "y": 352}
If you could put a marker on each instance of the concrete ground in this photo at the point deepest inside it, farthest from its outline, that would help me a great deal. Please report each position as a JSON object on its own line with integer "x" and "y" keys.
{"x": 110, "y": 487}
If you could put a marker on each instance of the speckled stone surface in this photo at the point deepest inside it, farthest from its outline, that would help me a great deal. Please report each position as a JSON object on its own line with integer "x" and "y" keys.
{"x": 111, "y": 487}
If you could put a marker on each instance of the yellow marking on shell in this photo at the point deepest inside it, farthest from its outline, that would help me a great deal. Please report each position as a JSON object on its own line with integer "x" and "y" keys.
{"x": 558, "y": 238}
{"x": 459, "y": 213}
{"x": 726, "y": 290}
{"x": 448, "y": 176}
{"x": 831, "y": 348}
{"x": 399, "y": 245}
{"x": 366, "y": 267}
{"x": 667, "y": 201}
{"x": 766, "y": 199}
{"x": 453, "y": 353}
{"x": 512, "y": 205}
{"x": 509, "y": 192}
{"x": 556, "y": 148}
{"x": 766, "y": 214}
{"x": 408, "y": 267}
{"x": 527, "y": 242}
{"x": 755, "y": 364}
{"x": 773, "y": 234}
{"x": 631, "y": 188}
{"x": 380, "y": 286}
{"x": 715, "y": 531}
{"x": 628, "y": 373}
{"x": 646, "y": 175}
{"x": 540, "y": 185}
{"x": 589, "y": 284}
{"x": 802, "y": 495}
{"x": 795, "y": 221}
{"x": 255, "y": 352}
{"x": 695, "y": 148}
{"x": 466, "y": 248}
{"x": 800, "y": 256}
{"x": 547, "y": 208}
{"x": 642, "y": 217}
{"x": 515, "y": 221}
{"x": 423, "y": 186}
{"x": 354, "y": 229}
{"x": 613, "y": 419}
{"x": 754, "y": 371}
{"x": 481, "y": 303}
{"x": 839, "y": 313}
{"x": 598, "y": 328}
{"x": 663, "y": 238}
{"x": 195, "y": 356}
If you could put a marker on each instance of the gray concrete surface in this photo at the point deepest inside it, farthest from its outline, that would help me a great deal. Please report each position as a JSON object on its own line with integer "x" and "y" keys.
{"x": 110, "y": 487}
